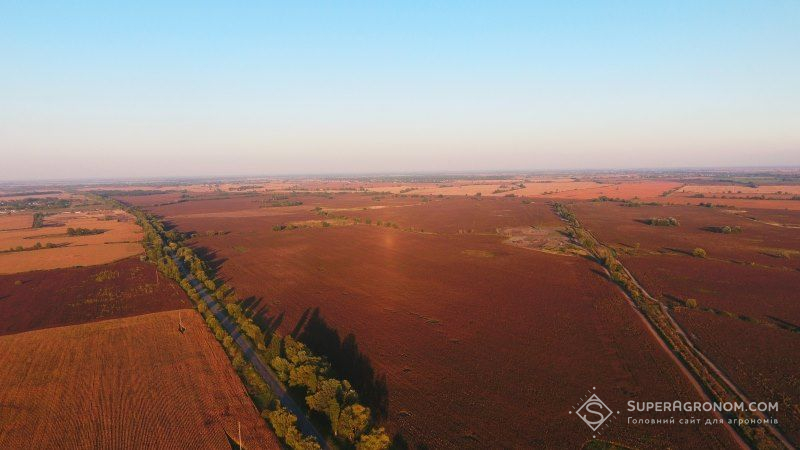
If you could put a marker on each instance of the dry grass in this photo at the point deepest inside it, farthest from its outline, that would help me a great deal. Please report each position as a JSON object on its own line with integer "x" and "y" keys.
{"x": 15, "y": 221}
{"x": 125, "y": 383}
{"x": 119, "y": 241}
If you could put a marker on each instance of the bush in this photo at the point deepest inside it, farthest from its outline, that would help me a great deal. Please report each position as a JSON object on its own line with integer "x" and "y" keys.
{"x": 691, "y": 303}
{"x": 699, "y": 253}
{"x": 662, "y": 221}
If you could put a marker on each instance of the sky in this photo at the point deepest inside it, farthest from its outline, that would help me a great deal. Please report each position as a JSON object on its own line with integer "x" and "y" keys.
{"x": 154, "y": 88}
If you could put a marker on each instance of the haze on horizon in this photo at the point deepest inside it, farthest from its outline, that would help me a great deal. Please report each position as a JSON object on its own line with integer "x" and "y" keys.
{"x": 95, "y": 90}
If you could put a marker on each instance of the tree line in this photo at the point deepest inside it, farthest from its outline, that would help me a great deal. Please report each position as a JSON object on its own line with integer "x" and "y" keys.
{"x": 350, "y": 422}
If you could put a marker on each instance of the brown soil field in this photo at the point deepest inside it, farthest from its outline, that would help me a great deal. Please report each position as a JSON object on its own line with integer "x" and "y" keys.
{"x": 743, "y": 190}
{"x": 757, "y": 362}
{"x": 150, "y": 200}
{"x": 645, "y": 190}
{"x": 15, "y": 221}
{"x": 757, "y": 243}
{"x": 124, "y": 383}
{"x": 483, "y": 344}
{"x": 51, "y": 298}
{"x": 791, "y": 205}
{"x": 120, "y": 240}
{"x": 756, "y": 292}
{"x": 748, "y": 315}
{"x": 60, "y": 194}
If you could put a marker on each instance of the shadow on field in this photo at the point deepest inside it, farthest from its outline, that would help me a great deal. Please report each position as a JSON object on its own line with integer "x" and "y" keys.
{"x": 232, "y": 442}
{"x": 210, "y": 257}
{"x": 260, "y": 314}
{"x": 346, "y": 359}
{"x": 678, "y": 250}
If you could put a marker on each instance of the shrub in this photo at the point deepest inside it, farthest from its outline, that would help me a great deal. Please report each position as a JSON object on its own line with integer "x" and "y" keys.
{"x": 691, "y": 303}
{"x": 662, "y": 221}
{"x": 725, "y": 229}
{"x": 699, "y": 253}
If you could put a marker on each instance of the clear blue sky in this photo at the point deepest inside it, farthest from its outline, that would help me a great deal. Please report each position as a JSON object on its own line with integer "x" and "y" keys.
{"x": 198, "y": 88}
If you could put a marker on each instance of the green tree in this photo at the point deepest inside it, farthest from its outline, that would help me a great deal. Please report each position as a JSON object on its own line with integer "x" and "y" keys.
{"x": 326, "y": 400}
{"x": 281, "y": 367}
{"x": 305, "y": 375}
{"x": 374, "y": 440}
{"x": 353, "y": 421}
{"x": 281, "y": 419}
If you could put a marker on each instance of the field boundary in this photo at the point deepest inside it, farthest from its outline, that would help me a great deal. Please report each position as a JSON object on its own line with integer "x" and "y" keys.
{"x": 690, "y": 359}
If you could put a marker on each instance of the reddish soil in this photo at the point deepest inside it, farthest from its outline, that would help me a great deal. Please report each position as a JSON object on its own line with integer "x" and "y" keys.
{"x": 15, "y": 221}
{"x": 150, "y": 200}
{"x": 482, "y": 344}
{"x": 748, "y": 318}
{"x": 645, "y": 190}
{"x": 754, "y": 291}
{"x": 756, "y": 362}
{"x": 620, "y": 226}
{"x": 135, "y": 382}
{"x": 52, "y": 298}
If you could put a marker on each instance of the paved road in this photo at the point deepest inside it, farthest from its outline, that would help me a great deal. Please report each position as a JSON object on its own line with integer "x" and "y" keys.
{"x": 303, "y": 424}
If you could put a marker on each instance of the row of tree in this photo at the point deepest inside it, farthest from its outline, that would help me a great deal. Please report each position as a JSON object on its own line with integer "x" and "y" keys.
{"x": 757, "y": 434}
{"x": 336, "y": 399}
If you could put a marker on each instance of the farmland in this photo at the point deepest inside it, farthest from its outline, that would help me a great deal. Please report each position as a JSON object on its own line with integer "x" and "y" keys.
{"x": 743, "y": 311}
{"x": 109, "y": 236}
{"x": 92, "y": 352}
{"x": 462, "y": 310}
{"x": 85, "y": 387}
{"x": 454, "y": 344}
{"x": 51, "y": 298}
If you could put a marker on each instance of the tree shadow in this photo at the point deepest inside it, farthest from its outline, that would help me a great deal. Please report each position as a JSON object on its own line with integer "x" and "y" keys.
{"x": 677, "y": 250}
{"x": 232, "y": 441}
{"x": 348, "y": 362}
{"x": 208, "y": 255}
{"x": 674, "y": 300}
{"x": 255, "y": 310}
{"x": 399, "y": 442}
{"x": 300, "y": 323}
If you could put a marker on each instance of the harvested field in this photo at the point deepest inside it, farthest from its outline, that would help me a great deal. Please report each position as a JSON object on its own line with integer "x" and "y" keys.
{"x": 739, "y": 189}
{"x": 51, "y": 298}
{"x": 646, "y": 190}
{"x": 621, "y": 226}
{"x": 124, "y": 383}
{"x": 15, "y": 221}
{"x": 496, "y": 322}
{"x": 114, "y": 235}
{"x": 747, "y": 317}
{"x": 150, "y": 200}
{"x": 756, "y": 360}
{"x": 756, "y": 292}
